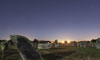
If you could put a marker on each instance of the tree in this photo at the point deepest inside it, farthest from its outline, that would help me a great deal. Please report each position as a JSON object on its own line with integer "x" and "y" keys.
{"x": 93, "y": 40}
{"x": 65, "y": 42}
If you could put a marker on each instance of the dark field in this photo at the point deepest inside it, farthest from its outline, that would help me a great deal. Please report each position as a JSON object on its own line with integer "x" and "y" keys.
{"x": 69, "y": 53}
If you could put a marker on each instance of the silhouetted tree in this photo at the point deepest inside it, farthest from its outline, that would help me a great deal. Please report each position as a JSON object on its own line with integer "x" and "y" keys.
{"x": 65, "y": 42}
{"x": 93, "y": 40}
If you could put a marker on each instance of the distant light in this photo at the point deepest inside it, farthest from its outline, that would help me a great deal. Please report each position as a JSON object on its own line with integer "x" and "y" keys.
{"x": 62, "y": 42}
{"x": 52, "y": 42}
{"x": 68, "y": 41}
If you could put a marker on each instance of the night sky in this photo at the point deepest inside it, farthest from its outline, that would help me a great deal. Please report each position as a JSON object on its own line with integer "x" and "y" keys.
{"x": 50, "y": 19}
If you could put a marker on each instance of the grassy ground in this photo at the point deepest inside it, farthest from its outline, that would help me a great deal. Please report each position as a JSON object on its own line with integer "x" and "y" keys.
{"x": 48, "y": 54}
{"x": 68, "y": 53}
{"x": 84, "y": 54}
{"x": 57, "y": 53}
{"x": 11, "y": 55}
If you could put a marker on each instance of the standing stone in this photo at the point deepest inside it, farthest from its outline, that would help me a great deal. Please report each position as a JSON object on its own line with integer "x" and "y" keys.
{"x": 35, "y": 43}
{"x": 56, "y": 43}
{"x": 25, "y": 48}
{"x": 98, "y": 43}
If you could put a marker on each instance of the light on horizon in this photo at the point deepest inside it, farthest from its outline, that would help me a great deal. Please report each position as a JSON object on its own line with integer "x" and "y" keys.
{"x": 68, "y": 41}
{"x": 62, "y": 41}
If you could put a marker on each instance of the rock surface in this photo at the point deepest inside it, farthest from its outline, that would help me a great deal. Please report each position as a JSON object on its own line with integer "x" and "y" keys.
{"x": 25, "y": 48}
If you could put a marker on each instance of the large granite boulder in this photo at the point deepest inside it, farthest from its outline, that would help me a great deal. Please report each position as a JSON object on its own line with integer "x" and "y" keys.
{"x": 24, "y": 47}
{"x": 98, "y": 43}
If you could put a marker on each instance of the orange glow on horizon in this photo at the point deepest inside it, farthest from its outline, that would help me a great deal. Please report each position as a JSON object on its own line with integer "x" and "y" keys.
{"x": 68, "y": 41}
{"x": 62, "y": 42}
{"x": 52, "y": 41}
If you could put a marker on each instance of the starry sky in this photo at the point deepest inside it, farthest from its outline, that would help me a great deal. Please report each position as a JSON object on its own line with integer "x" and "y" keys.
{"x": 50, "y": 19}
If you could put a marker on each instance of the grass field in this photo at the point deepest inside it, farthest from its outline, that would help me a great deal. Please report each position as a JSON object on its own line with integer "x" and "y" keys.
{"x": 68, "y": 53}
{"x": 84, "y": 54}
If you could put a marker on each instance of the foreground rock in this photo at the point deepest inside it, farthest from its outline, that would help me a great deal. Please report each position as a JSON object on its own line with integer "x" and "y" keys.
{"x": 98, "y": 43}
{"x": 25, "y": 48}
